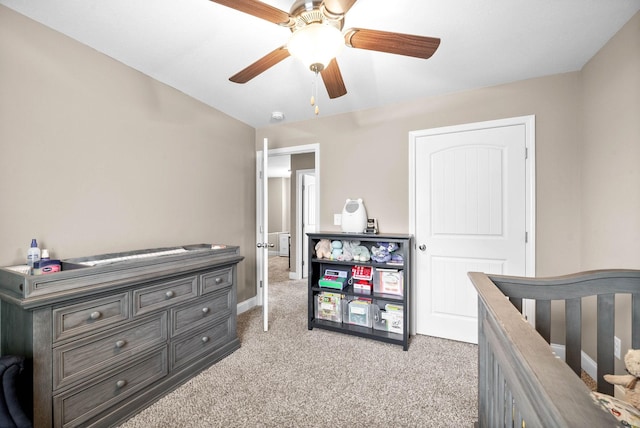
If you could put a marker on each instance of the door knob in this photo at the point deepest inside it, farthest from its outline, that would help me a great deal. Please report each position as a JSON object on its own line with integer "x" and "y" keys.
{"x": 264, "y": 245}
{"x": 422, "y": 247}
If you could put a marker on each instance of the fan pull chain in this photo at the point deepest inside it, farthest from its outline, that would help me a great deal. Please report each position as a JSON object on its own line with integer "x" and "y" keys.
{"x": 314, "y": 94}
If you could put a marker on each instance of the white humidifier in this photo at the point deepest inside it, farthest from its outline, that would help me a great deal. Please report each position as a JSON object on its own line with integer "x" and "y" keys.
{"x": 354, "y": 216}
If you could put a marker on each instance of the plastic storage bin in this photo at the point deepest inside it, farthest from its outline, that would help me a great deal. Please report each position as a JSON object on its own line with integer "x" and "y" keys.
{"x": 357, "y": 312}
{"x": 328, "y": 307}
{"x": 388, "y": 281}
{"x": 388, "y": 317}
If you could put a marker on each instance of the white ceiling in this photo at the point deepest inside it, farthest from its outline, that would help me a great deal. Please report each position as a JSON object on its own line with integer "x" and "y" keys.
{"x": 196, "y": 45}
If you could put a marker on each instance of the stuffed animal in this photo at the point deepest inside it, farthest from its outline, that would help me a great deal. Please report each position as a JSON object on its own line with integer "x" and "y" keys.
{"x": 629, "y": 381}
{"x": 380, "y": 254}
{"x": 323, "y": 249}
{"x": 336, "y": 249}
{"x": 361, "y": 253}
{"x": 397, "y": 259}
{"x": 347, "y": 250}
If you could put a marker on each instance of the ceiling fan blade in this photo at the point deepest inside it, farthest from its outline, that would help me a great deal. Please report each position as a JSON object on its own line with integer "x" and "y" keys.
{"x": 338, "y": 7}
{"x": 395, "y": 43}
{"x": 257, "y": 9}
{"x": 261, "y": 65}
{"x": 332, "y": 79}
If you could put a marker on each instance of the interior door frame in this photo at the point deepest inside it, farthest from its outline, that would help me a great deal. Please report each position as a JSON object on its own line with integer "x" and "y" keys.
{"x": 530, "y": 197}
{"x": 300, "y": 255}
{"x": 293, "y": 150}
{"x": 262, "y": 232}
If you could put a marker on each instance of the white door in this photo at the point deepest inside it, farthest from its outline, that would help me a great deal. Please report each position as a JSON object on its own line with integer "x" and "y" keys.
{"x": 471, "y": 191}
{"x": 262, "y": 233}
{"x": 308, "y": 217}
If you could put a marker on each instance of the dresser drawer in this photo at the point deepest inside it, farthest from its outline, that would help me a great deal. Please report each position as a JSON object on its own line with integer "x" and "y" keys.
{"x": 84, "y": 358}
{"x": 216, "y": 280}
{"x": 75, "y": 407}
{"x": 204, "y": 341}
{"x": 205, "y": 309}
{"x": 86, "y": 317}
{"x": 164, "y": 294}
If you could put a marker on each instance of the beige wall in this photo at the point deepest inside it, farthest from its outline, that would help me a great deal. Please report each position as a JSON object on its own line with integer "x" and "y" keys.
{"x": 610, "y": 159}
{"x": 587, "y": 157}
{"x": 365, "y": 154}
{"x": 611, "y": 153}
{"x": 96, "y": 157}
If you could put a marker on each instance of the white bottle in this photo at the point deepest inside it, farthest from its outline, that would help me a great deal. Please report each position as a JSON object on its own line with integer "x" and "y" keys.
{"x": 33, "y": 254}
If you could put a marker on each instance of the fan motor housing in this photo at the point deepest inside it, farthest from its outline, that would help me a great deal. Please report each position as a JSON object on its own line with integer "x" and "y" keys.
{"x": 303, "y": 14}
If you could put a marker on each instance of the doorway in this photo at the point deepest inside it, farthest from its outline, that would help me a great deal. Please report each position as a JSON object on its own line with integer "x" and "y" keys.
{"x": 308, "y": 157}
{"x": 306, "y": 213}
{"x": 279, "y": 216}
{"x": 472, "y": 209}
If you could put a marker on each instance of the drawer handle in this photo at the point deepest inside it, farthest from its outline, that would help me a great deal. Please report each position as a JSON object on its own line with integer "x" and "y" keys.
{"x": 120, "y": 343}
{"x": 120, "y": 384}
{"x": 95, "y": 315}
{"x": 169, "y": 294}
{"x": 205, "y": 310}
{"x": 218, "y": 280}
{"x": 205, "y": 339}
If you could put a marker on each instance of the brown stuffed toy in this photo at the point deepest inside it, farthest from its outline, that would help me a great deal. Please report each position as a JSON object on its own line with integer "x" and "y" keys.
{"x": 629, "y": 381}
{"x": 323, "y": 249}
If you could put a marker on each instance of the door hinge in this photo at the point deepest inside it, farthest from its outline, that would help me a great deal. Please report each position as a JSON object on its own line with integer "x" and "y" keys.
{"x": 260, "y": 284}
{"x": 260, "y": 175}
{"x": 526, "y": 237}
{"x": 526, "y": 152}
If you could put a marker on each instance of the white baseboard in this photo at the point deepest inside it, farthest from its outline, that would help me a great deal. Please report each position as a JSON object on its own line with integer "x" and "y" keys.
{"x": 246, "y": 305}
{"x": 587, "y": 364}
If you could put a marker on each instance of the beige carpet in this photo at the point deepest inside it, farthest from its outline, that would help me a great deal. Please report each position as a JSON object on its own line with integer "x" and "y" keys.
{"x": 293, "y": 377}
{"x": 278, "y": 269}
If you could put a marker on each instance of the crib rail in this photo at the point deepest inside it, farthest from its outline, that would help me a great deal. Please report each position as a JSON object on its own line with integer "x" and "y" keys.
{"x": 520, "y": 379}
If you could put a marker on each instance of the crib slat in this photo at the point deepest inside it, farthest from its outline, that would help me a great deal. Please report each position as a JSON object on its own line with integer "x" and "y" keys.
{"x": 484, "y": 364}
{"x": 500, "y": 402}
{"x": 509, "y": 406}
{"x": 494, "y": 400}
{"x": 635, "y": 321}
{"x": 605, "y": 317}
{"x": 543, "y": 319}
{"x": 573, "y": 338}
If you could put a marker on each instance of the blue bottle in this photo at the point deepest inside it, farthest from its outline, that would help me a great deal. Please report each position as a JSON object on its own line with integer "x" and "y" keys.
{"x": 33, "y": 254}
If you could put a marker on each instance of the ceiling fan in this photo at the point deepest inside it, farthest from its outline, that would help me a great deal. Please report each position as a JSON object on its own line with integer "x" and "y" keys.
{"x": 317, "y": 38}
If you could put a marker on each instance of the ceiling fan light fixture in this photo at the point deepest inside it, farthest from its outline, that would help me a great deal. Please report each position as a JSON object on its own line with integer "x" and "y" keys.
{"x": 316, "y": 45}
